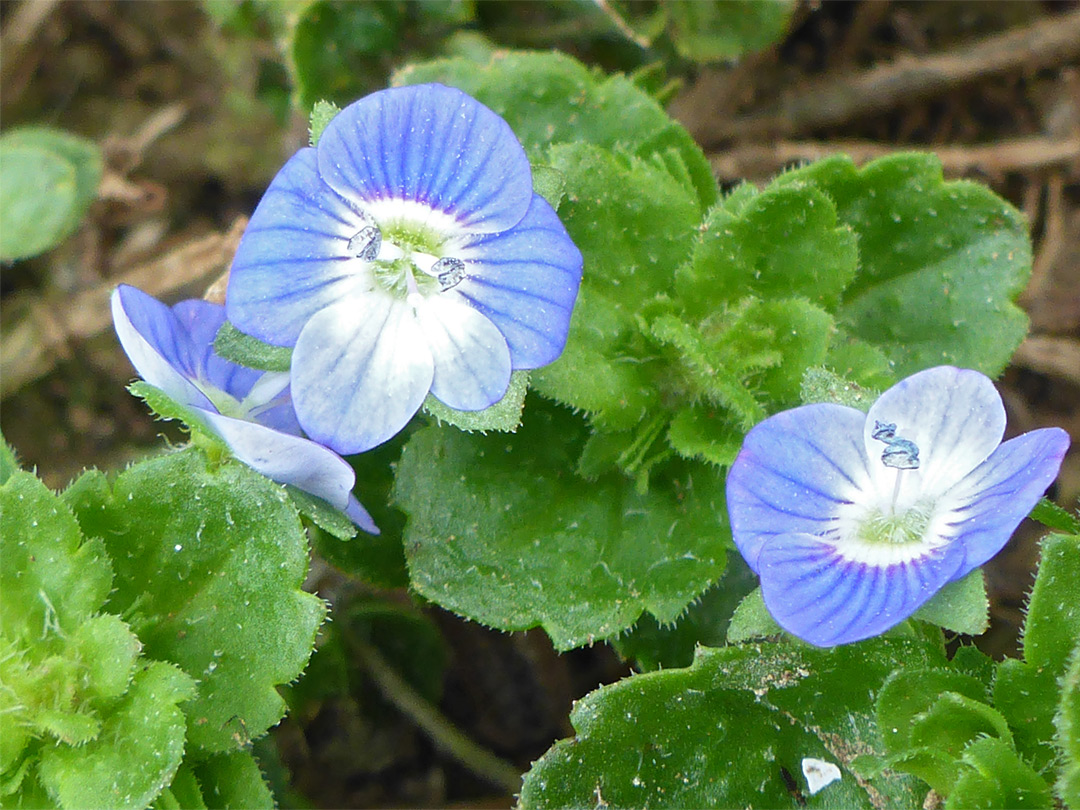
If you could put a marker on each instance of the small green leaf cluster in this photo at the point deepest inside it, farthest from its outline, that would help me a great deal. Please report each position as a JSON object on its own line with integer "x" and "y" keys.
{"x": 895, "y": 714}
{"x": 145, "y": 624}
{"x": 50, "y": 179}
{"x": 699, "y": 315}
{"x": 709, "y": 30}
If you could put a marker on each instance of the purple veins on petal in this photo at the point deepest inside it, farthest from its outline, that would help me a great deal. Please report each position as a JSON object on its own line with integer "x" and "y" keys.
{"x": 850, "y": 539}
{"x": 295, "y": 257}
{"x": 432, "y": 144}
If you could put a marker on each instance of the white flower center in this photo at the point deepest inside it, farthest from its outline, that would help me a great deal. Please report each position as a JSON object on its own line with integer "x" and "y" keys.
{"x": 892, "y": 520}
{"x": 408, "y": 247}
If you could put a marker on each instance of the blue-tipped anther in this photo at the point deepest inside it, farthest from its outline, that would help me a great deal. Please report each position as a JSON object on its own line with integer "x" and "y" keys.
{"x": 900, "y": 454}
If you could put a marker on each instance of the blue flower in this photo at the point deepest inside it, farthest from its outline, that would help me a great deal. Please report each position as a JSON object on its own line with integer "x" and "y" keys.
{"x": 853, "y": 520}
{"x": 405, "y": 254}
{"x": 172, "y": 349}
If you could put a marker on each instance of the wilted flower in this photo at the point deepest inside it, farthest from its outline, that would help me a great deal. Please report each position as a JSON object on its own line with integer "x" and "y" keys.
{"x": 172, "y": 349}
{"x": 853, "y": 520}
{"x": 406, "y": 253}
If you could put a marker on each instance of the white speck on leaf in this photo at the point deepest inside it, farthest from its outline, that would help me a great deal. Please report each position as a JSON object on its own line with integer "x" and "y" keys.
{"x": 819, "y": 773}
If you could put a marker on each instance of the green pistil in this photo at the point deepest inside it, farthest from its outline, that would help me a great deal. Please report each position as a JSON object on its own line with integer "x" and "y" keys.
{"x": 393, "y": 277}
{"x": 411, "y": 237}
{"x": 895, "y": 529}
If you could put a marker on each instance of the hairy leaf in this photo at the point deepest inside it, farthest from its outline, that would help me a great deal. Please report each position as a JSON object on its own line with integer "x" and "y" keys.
{"x": 209, "y": 561}
{"x": 498, "y": 534}
{"x": 730, "y": 731}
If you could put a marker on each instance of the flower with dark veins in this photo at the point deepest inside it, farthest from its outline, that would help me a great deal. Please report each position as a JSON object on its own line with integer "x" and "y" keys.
{"x": 173, "y": 349}
{"x": 405, "y": 254}
{"x": 853, "y": 521}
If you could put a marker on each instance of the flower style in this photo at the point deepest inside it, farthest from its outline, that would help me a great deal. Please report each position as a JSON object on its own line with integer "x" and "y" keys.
{"x": 853, "y": 521}
{"x": 172, "y": 349}
{"x": 405, "y": 254}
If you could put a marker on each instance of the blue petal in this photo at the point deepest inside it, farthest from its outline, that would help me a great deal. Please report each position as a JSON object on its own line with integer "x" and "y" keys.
{"x": 954, "y": 416}
{"x": 1001, "y": 491}
{"x": 360, "y": 370}
{"x": 432, "y": 144}
{"x": 157, "y": 344}
{"x": 818, "y": 596}
{"x": 202, "y": 320}
{"x": 293, "y": 460}
{"x": 472, "y": 361}
{"x": 525, "y": 280}
{"x": 795, "y": 472}
{"x": 293, "y": 259}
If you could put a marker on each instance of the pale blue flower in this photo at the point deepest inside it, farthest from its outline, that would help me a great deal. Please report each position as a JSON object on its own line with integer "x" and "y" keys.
{"x": 853, "y": 521}
{"x": 172, "y": 349}
{"x": 405, "y": 254}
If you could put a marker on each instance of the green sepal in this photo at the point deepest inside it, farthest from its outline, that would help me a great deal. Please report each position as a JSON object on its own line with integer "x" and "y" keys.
{"x": 503, "y": 416}
{"x": 328, "y": 518}
{"x": 233, "y": 345}
{"x": 322, "y": 113}
{"x": 961, "y": 606}
{"x": 168, "y": 409}
{"x": 549, "y": 183}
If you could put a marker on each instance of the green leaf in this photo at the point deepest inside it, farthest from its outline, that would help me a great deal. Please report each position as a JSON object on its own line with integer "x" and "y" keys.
{"x": 910, "y": 693}
{"x": 1053, "y": 617}
{"x": 655, "y": 646}
{"x": 137, "y": 753}
{"x": 1067, "y": 737}
{"x": 233, "y": 781}
{"x": 630, "y": 219}
{"x": 550, "y": 184}
{"x": 209, "y": 561}
{"x": 941, "y": 263}
{"x": 504, "y": 415}
{"x": 724, "y": 732}
{"x": 994, "y": 776}
{"x": 322, "y": 514}
{"x": 960, "y": 606}
{"x": 378, "y": 559}
{"x": 232, "y": 344}
{"x": 333, "y": 49}
{"x": 752, "y": 620}
{"x": 9, "y": 462}
{"x": 497, "y": 534}
{"x": 819, "y": 384}
{"x": 62, "y": 662}
{"x": 1027, "y": 696}
{"x": 1052, "y": 516}
{"x": 784, "y": 241}
{"x": 322, "y": 113}
{"x": 717, "y": 30}
{"x": 568, "y": 103}
{"x": 50, "y": 179}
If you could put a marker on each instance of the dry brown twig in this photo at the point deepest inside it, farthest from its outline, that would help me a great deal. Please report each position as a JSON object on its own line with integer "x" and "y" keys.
{"x": 836, "y": 99}
{"x": 1022, "y": 154}
{"x": 44, "y": 328}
